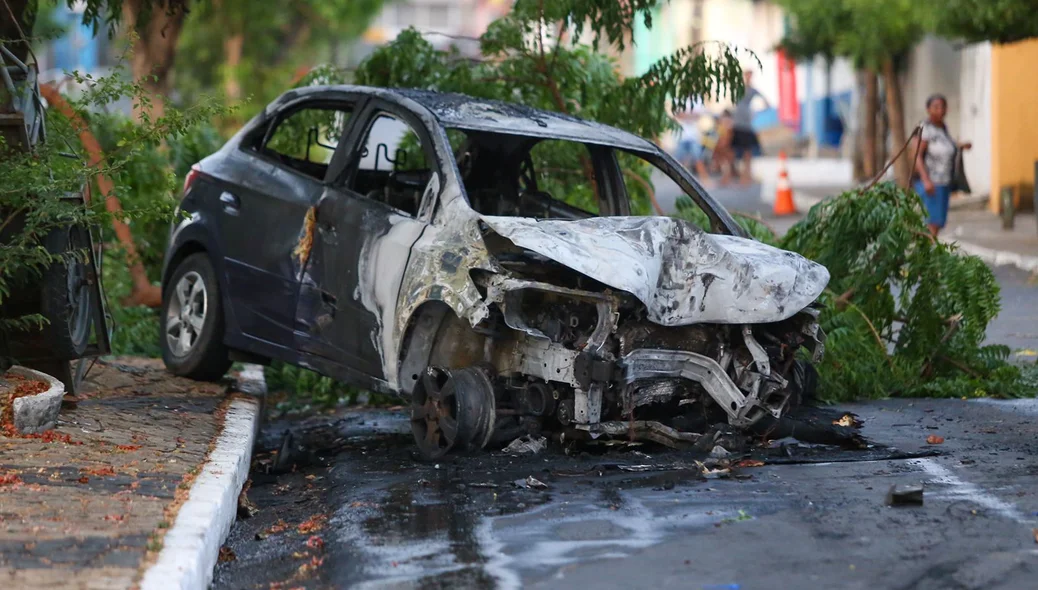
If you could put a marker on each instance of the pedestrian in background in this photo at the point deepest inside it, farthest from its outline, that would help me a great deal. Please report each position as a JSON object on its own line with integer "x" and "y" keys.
{"x": 723, "y": 158}
{"x": 690, "y": 150}
{"x": 745, "y": 143}
{"x": 935, "y": 164}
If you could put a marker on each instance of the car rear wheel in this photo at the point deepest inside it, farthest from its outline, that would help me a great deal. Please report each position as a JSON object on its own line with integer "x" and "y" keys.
{"x": 193, "y": 323}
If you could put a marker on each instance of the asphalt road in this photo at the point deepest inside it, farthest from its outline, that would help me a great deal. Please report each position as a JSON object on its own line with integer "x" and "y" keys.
{"x": 647, "y": 518}
{"x": 395, "y": 522}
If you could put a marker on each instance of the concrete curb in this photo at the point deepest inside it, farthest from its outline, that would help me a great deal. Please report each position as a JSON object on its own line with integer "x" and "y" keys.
{"x": 191, "y": 547}
{"x": 1000, "y": 257}
{"x": 39, "y": 412}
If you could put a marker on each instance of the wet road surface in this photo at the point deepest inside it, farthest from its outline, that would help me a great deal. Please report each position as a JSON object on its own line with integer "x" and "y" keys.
{"x": 394, "y": 521}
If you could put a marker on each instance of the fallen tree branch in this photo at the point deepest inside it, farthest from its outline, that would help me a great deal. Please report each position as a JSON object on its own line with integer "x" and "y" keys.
{"x": 872, "y": 328}
{"x": 142, "y": 292}
{"x": 758, "y": 219}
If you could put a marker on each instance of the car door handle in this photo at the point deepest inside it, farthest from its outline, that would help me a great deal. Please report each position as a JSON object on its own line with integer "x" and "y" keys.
{"x": 231, "y": 203}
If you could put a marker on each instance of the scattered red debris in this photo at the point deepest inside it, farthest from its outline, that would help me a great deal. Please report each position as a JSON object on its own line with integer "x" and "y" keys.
{"x": 27, "y": 387}
{"x": 116, "y": 517}
{"x": 47, "y": 436}
{"x": 278, "y": 527}
{"x": 127, "y": 448}
{"x": 933, "y": 439}
{"x": 750, "y": 463}
{"x": 84, "y": 479}
{"x": 312, "y": 524}
{"x": 315, "y": 542}
{"x": 105, "y": 471}
{"x": 10, "y": 478}
{"x": 227, "y": 554}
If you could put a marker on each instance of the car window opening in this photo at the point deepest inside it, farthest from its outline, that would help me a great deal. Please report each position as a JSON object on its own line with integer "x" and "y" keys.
{"x": 518, "y": 176}
{"x": 306, "y": 139}
{"x": 393, "y": 167}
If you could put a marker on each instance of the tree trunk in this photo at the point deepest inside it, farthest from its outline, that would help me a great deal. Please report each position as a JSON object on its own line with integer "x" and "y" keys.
{"x": 895, "y": 110}
{"x": 871, "y": 104}
{"x": 142, "y": 292}
{"x": 883, "y": 136}
{"x": 24, "y": 12}
{"x": 157, "y": 29}
{"x": 858, "y": 143}
{"x": 232, "y": 49}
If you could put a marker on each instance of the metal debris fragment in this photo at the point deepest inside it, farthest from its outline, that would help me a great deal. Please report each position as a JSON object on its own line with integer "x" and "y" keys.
{"x": 905, "y": 495}
{"x": 531, "y": 482}
{"x": 526, "y": 445}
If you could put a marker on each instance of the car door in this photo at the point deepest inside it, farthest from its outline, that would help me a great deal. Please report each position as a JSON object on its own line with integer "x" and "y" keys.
{"x": 367, "y": 221}
{"x": 263, "y": 218}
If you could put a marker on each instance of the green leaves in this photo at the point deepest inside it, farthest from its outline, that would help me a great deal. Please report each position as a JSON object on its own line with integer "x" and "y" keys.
{"x": 1000, "y": 21}
{"x": 905, "y": 315}
{"x": 865, "y": 31}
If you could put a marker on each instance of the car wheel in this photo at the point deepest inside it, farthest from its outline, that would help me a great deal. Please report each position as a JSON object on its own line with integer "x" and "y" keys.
{"x": 452, "y": 410}
{"x": 67, "y": 293}
{"x": 193, "y": 323}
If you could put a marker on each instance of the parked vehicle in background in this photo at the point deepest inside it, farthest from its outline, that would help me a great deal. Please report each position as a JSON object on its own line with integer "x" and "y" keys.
{"x": 67, "y": 293}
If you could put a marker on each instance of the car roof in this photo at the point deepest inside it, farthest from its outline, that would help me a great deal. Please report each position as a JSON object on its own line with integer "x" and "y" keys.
{"x": 459, "y": 111}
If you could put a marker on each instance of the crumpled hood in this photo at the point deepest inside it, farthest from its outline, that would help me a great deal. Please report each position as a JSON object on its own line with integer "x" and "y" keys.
{"x": 682, "y": 274}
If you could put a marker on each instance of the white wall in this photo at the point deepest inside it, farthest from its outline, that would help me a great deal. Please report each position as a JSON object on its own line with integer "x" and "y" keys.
{"x": 974, "y": 113}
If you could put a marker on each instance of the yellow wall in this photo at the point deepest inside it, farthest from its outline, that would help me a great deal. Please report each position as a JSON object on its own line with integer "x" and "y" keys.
{"x": 1014, "y": 120}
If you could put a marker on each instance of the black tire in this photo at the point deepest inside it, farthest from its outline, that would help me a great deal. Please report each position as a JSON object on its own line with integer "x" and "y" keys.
{"x": 205, "y": 358}
{"x": 67, "y": 295}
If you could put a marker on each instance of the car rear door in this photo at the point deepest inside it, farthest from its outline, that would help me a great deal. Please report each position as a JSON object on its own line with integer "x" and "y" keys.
{"x": 263, "y": 218}
{"x": 368, "y": 219}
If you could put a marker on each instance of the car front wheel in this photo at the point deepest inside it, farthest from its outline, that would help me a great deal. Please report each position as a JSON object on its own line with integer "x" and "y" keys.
{"x": 192, "y": 322}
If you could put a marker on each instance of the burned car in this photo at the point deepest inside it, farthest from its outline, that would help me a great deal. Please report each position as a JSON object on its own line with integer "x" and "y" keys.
{"x": 409, "y": 242}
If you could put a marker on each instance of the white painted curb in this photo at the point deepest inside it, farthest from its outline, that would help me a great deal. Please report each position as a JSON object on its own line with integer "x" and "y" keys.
{"x": 1000, "y": 257}
{"x": 191, "y": 547}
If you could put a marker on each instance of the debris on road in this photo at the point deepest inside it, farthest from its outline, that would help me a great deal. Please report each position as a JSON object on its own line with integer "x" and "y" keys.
{"x": 849, "y": 420}
{"x": 905, "y": 495}
{"x": 749, "y": 463}
{"x": 933, "y": 439}
{"x": 531, "y": 482}
{"x": 226, "y": 554}
{"x": 527, "y": 445}
{"x": 312, "y": 524}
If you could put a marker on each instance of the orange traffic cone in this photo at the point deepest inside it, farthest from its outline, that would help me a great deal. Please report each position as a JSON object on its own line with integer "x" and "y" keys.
{"x": 783, "y": 192}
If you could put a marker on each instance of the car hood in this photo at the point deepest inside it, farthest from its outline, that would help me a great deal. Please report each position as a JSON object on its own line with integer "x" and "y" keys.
{"x": 682, "y": 274}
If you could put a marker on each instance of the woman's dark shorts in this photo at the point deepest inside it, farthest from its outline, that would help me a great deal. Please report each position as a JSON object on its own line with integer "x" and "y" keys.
{"x": 743, "y": 141}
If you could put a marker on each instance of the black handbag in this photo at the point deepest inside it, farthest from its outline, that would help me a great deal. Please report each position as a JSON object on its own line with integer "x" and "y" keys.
{"x": 959, "y": 182}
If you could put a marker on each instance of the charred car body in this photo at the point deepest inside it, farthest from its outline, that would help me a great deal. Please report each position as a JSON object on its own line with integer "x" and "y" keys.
{"x": 406, "y": 241}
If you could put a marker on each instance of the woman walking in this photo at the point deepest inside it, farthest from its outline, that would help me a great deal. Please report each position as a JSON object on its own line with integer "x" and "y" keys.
{"x": 934, "y": 167}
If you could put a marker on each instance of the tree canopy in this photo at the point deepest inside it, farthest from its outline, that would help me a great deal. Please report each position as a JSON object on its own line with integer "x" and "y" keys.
{"x": 998, "y": 21}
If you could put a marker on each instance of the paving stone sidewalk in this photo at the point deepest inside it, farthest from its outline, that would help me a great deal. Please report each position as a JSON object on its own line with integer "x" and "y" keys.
{"x": 85, "y": 505}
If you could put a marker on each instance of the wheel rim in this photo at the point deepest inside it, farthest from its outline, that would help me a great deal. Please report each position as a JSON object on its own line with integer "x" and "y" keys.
{"x": 186, "y": 314}
{"x": 78, "y": 288}
{"x": 452, "y": 410}
{"x": 434, "y": 413}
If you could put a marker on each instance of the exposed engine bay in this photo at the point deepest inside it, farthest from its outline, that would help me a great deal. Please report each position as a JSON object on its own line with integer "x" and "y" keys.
{"x": 561, "y": 351}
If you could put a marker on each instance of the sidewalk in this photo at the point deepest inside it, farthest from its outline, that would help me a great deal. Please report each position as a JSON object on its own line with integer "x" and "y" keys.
{"x": 979, "y": 232}
{"x": 975, "y": 229}
{"x": 88, "y": 504}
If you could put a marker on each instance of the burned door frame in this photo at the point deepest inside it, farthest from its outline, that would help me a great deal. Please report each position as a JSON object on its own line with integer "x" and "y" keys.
{"x": 264, "y": 283}
{"x": 355, "y": 236}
